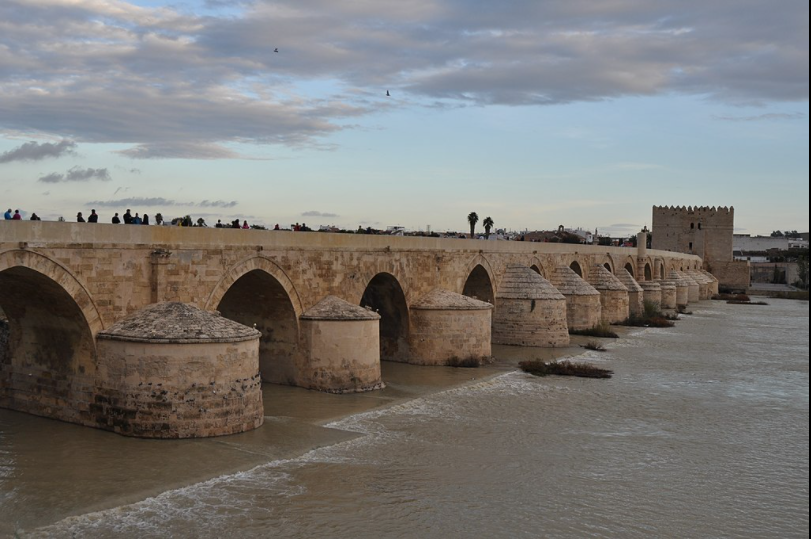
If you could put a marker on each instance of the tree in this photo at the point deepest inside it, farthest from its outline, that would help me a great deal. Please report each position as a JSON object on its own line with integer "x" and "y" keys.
{"x": 472, "y": 219}
{"x": 777, "y": 234}
{"x": 488, "y": 225}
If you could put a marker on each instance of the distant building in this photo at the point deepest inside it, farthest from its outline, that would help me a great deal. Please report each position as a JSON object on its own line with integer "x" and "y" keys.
{"x": 758, "y": 244}
{"x": 703, "y": 231}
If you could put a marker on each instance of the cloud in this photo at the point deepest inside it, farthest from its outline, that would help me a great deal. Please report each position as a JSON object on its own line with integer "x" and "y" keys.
{"x": 78, "y": 174}
{"x": 176, "y": 84}
{"x": 181, "y": 150}
{"x": 160, "y": 201}
{"x": 34, "y": 151}
{"x": 319, "y": 214}
{"x": 774, "y": 116}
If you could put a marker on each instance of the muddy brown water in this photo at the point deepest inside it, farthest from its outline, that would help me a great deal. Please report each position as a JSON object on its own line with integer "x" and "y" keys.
{"x": 702, "y": 432}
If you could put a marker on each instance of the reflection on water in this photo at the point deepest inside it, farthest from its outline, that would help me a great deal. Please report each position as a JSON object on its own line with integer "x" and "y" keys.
{"x": 703, "y": 432}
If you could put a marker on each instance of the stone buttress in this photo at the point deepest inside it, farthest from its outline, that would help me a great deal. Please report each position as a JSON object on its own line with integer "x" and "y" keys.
{"x": 583, "y": 307}
{"x": 714, "y": 285}
{"x": 447, "y": 327}
{"x": 636, "y": 296}
{"x": 704, "y": 283}
{"x": 341, "y": 348}
{"x": 682, "y": 289}
{"x": 172, "y": 370}
{"x": 614, "y": 297}
{"x": 669, "y": 294}
{"x": 531, "y": 312}
{"x": 693, "y": 288}
{"x": 652, "y": 292}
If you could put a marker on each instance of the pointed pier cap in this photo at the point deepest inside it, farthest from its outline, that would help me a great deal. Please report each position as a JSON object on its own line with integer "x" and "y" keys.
{"x": 445, "y": 300}
{"x": 335, "y": 308}
{"x": 602, "y": 279}
{"x": 571, "y": 284}
{"x": 628, "y": 280}
{"x": 178, "y": 323}
{"x": 524, "y": 283}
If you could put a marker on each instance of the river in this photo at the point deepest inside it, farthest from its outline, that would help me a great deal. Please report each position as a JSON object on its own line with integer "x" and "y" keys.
{"x": 702, "y": 432}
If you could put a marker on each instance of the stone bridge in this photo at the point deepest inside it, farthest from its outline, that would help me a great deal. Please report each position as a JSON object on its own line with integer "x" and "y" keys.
{"x": 85, "y": 346}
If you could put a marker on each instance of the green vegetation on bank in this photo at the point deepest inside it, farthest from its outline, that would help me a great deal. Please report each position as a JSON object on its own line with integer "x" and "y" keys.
{"x": 594, "y": 346}
{"x": 651, "y": 317}
{"x": 564, "y": 368}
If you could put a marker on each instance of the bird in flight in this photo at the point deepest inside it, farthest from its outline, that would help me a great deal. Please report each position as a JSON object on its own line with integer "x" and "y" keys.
{"x": 388, "y": 94}
{"x": 276, "y": 50}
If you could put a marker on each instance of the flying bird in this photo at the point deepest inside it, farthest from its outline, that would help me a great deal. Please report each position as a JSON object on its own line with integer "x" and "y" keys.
{"x": 388, "y": 94}
{"x": 276, "y": 50}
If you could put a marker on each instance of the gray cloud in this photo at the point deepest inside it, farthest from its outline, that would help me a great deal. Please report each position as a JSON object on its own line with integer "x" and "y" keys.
{"x": 319, "y": 214}
{"x": 178, "y": 85}
{"x": 159, "y": 201}
{"x": 34, "y": 151}
{"x": 78, "y": 174}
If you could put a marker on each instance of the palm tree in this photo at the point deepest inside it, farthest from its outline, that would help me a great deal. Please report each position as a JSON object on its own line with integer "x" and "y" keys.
{"x": 473, "y": 218}
{"x": 488, "y": 225}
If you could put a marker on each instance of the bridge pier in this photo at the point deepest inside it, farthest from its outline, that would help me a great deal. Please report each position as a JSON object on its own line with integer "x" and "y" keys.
{"x": 583, "y": 304}
{"x": 531, "y": 312}
{"x": 652, "y": 292}
{"x": 340, "y": 346}
{"x": 693, "y": 288}
{"x": 448, "y": 328}
{"x": 669, "y": 296}
{"x": 682, "y": 289}
{"x": 614, "y": 299}
{"x": 636, "y": 296}
{"x": 172, "y": 370}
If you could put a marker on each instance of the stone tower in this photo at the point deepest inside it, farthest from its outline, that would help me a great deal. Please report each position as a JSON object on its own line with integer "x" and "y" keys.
{"x": 703, "y": 231}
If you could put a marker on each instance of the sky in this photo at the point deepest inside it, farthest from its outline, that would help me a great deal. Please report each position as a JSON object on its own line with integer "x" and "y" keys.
{"x": 536, "y": 113}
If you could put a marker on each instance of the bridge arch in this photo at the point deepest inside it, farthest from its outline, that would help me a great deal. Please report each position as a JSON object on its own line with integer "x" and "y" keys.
{"x": 538, "y": 267}
{"x": 578, "y": 268}
{"x": 52, "y": 323}
{"x": 257, "y": 293}
{"x": 605, "y": 261}
{"x": 384, "y": 295}
{"x": 648, "y": 269}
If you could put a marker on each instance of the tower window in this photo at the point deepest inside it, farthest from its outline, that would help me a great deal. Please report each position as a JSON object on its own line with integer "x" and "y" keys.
{"x": 692, "y": 226}
{"x": 699, "y": 226}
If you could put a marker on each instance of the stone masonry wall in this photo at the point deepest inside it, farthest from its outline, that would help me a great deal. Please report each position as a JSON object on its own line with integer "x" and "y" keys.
{"x": 439, "y": 336}
{"x": 177, "y": 390}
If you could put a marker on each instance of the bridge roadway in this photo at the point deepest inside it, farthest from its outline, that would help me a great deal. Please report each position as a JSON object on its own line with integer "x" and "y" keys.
{"x": 61, "y": 284}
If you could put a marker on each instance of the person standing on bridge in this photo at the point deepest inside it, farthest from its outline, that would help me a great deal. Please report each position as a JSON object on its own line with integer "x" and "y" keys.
{"x": 116, "y": 219}
{"x": 17, "y": 216}
{"x": 93, "y": 217}
{"x": 79, "y": 218}
{"x": 127, "y": 217}
{"x": 7, "y": 215}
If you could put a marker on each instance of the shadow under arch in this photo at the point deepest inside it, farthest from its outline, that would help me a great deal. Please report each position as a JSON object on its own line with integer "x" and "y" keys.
{"x": 630, "y": 268}
{"x": 258, "y": 294}
{"x": 385, "y": 296}
{"x": 577, "y": 268}
{"x": 480, "y": 286}
{"x": 51, "y": 348}
{"x": 648, "y": 271}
